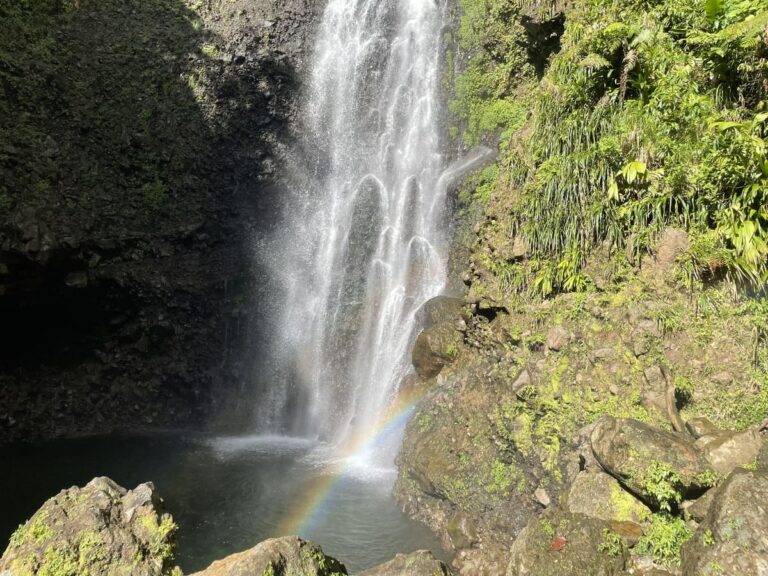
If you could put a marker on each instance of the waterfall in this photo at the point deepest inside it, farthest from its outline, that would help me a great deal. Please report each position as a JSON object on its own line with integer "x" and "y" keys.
{"x": 363, "y": 244}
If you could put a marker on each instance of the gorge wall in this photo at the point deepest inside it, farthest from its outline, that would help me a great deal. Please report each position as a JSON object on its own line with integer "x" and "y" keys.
{"x": 141, "y": 149}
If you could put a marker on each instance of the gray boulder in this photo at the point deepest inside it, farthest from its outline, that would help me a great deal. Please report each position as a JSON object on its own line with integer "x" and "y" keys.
{"x": 99, "y": 530}
{"x": 733, "y": 538}
{"x": 600, "y": 495}
{"x": 728, "y": 450}
{"x": 631, "y": 451}
{"x": 420, "y": 563}
{"x": 287, "y": 556}
{"x": 558, "y": 543}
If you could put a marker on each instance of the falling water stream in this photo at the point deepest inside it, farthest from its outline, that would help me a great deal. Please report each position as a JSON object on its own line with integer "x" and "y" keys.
{"x": 366, "y": 226}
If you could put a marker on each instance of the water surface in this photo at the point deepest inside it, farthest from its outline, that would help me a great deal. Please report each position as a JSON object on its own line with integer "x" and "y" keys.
{"x": 226, "y": 494}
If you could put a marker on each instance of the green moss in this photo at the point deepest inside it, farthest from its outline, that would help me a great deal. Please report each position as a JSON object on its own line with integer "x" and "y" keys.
{"x": 424, "y": 422}
{"x": 502, "y": 477}
{"x": 35, "y": 531}
{"x": 61, "y": 562}
{"x": 547, "y": 528}
{"x": 626, "y": 508}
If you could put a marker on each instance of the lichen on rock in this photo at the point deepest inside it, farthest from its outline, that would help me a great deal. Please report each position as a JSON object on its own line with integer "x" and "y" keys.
{"x": 101, "y": 529}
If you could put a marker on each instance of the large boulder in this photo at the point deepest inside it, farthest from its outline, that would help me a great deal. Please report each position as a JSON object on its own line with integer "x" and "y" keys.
{"x": 99, "y": 530}
{"x": 558, "y": 543}
{"x": 728, "y": 450}
{"x": 733, "y": 538}
{"x": 641, "y": 457}
{"x": 434, "y": 348}
{"x": 437, "y": 345}
{"x": 420, "y": 563}
{"x": 439, "y": 310}
{"x": 287, "y": 556}
{"x": 600, "y": 495}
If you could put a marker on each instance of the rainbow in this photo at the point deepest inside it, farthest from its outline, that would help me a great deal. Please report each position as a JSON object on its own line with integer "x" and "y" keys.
{"x": 302, "y": 517}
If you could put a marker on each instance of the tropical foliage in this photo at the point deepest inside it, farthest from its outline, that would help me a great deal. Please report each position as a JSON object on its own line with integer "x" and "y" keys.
{"x": 651, "y": 114}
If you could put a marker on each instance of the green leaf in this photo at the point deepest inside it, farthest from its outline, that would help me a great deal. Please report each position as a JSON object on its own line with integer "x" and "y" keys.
{"x": 714, "y": 8}
{"x": 632, "y": 170}
{"x": 613, "y": 191}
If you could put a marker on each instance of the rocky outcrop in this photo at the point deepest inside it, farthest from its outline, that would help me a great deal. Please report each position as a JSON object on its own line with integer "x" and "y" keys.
{"x": 101, "y": 529}
{"x": 631, "y": 450}
{"x": 421, "y": 563}
{"x": 140, "y": 163}
{"x": 278, "y": 557}
{"x": 562, "y": 544}
{"x": 733, "y": 538}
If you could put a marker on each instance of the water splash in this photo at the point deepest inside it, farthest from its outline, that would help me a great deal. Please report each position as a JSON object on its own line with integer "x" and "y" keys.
{"x": 364, "y": 246}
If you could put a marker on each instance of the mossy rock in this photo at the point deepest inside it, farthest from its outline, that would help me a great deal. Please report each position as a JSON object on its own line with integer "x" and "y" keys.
{"x": 733, "y": 538}
{"x": 421, "y": 563}
{"x": 558, "y": 543}
{"x": 631, "y": 451}
{"x": 287, "y": 556}
{"x": 99, "y": 530}
{"x": 599, "y": 495}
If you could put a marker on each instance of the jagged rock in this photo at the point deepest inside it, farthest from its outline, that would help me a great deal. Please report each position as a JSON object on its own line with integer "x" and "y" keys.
{"x": 653, "y": 396}
{"x": 523, "y": 379}
{"x": 599, "y": 495}
{"x": 698, "y": 509}
{"x": 628, "y": 448}
{"x": 762, "y": 457}
{"x": 278, "y": 557}
{"x": 100, "y": 529}
{"x": 672, "y": 244}
{"x": 557, "y": 338}
{"x": 558, "y": 543}
{"x": 420, "y": 563}
{"x": 728, "y": 450}
{"x": 519, "y": 249}
{"x": 542, "y": 497}
{"x": 733, "y": 539}
{"x": 699, "y": 427}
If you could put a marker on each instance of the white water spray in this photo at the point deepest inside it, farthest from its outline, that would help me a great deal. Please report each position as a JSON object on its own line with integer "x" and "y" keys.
{"x": 364, "y": 244}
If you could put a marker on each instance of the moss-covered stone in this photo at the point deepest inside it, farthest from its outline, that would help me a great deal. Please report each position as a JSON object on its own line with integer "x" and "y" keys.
{"x": 98, "y": 530}
{"x": 287, "y": 556}
{"x": 561, "y": 544}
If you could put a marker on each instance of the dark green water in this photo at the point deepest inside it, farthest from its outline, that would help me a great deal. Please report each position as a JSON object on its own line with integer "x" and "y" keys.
{"x": 226, "y": 494}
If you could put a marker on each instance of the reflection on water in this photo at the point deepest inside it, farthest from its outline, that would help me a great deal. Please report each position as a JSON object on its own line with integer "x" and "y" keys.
{"x": 226, "y": 494}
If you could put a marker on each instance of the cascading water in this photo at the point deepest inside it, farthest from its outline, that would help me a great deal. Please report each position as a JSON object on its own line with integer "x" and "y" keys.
{"x": 362, "y": 245}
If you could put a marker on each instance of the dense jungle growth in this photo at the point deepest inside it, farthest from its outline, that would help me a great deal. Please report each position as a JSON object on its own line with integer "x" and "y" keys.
{"x": 650, "y": 114}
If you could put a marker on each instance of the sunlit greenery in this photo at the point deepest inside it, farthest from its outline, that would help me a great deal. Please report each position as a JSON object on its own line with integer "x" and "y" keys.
{"x": 651, "y": 114}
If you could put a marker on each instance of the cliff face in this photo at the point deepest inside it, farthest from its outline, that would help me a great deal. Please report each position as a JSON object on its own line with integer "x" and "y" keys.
{"x": 140, "y": 150}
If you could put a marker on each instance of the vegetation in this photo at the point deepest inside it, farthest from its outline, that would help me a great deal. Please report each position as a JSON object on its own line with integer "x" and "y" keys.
{"x": 663, "y": 484}
{"x": 651, "y": 114}
{"x": 664, "y": 539}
